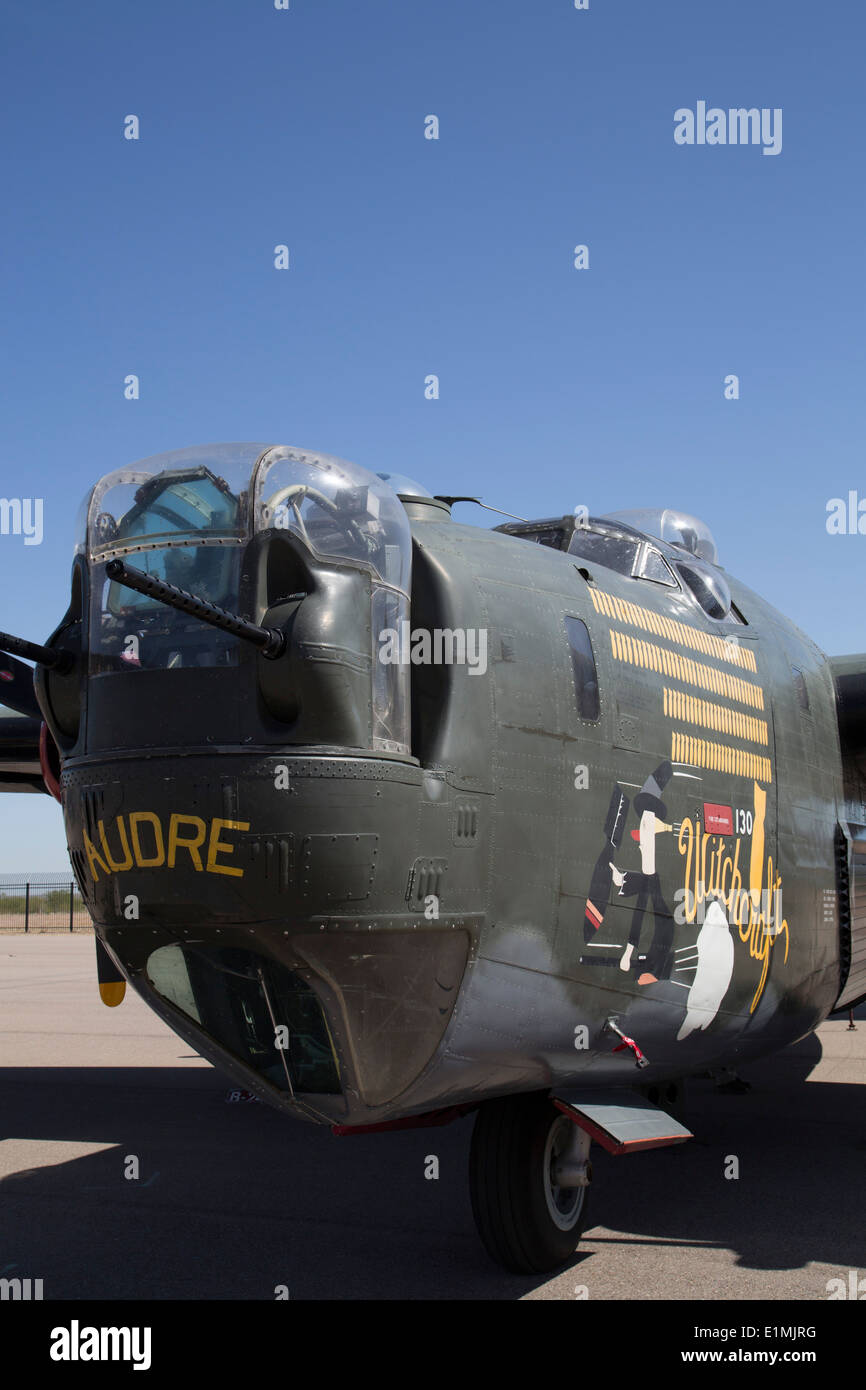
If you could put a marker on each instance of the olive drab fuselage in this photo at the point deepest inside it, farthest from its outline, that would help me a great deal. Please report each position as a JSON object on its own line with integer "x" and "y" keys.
{"x": 649, "y": 830}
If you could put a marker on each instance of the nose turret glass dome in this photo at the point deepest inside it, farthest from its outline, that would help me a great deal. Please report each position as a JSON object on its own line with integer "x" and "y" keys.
{"x": 186, "y": 516}
{"x": 339, "y": 511}
{"x": 222, "y": 493}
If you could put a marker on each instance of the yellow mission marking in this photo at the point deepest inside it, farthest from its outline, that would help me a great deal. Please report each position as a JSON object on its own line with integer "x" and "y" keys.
{"x": 681, "y": 633}
{"x": 690, "y": 709}
{"x": 655, "y": 658}
{"x": 720, "y": 757}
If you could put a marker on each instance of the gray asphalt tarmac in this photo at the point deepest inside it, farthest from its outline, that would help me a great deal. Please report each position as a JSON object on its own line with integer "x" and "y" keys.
{"x": 234, "y": 1200}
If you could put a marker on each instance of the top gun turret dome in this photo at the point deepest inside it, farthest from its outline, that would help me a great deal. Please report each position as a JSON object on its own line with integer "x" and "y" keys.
{"x": 674, "y": 527}
{"x": 404, "y": 486}
{"x": 658, "y": 545}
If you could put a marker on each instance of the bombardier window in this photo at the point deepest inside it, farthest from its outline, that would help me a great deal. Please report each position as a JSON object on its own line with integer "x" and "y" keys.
{"x": 583, "y": 668}
{"x": 238, "y": 997}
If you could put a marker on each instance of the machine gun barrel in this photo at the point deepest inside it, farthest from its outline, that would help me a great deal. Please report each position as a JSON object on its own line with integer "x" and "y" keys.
{"x": 53, "y": 657}
{"x": 269, "y": 641}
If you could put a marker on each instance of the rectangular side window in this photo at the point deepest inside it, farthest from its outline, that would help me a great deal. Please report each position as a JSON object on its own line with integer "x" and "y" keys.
{"x": 583, "y": 667}
{"x": 800, "y": 688}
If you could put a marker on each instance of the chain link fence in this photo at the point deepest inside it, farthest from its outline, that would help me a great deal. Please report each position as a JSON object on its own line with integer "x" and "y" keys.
{"x": 41, "y": 903}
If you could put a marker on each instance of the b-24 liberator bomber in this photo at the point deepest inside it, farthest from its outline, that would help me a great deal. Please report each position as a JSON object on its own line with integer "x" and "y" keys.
{"x": 393, "y": 819}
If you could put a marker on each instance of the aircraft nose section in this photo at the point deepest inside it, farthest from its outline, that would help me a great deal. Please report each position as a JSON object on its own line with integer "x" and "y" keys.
{"x": 251, "y": 901}
{"x": 396, "y": 992}
{"x": 336, "y": 1024}
{"x": 262, "y": 1013}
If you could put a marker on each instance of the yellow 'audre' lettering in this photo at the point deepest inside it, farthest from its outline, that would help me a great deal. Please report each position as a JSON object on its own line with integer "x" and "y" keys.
{"x": 185, "y": 833}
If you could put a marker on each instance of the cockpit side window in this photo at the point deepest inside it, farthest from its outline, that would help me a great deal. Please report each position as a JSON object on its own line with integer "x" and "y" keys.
{"x": 800, "y": 688}
{"x": 583, "y": 669}
{"x": 551, "y": 536}
{"x": 554, "y": 533}
{"x": 708, "y": 587}
{"x": 653, "y": 566}
{"x": 737, "y": 617}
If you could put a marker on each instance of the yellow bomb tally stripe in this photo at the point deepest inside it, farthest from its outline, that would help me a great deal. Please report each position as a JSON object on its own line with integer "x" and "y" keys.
{"x": 682, "y": 633}
{"x": 690, "y": 709}
{"x": 720, "y": 757}
{"x": 637, "y": 652}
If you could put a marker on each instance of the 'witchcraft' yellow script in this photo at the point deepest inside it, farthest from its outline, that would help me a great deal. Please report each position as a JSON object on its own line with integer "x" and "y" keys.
{"x": 712, "y": 869}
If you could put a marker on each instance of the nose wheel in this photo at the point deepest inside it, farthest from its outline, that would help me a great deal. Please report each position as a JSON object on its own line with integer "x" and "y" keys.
{"x": 529, "y": 1177}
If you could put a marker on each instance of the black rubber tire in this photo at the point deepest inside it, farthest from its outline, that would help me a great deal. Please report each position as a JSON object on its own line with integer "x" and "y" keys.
{"x": 506, "y": 1183}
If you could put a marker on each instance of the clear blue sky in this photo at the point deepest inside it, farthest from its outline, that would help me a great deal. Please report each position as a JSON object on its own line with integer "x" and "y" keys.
{"x": 411, "y": 256}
